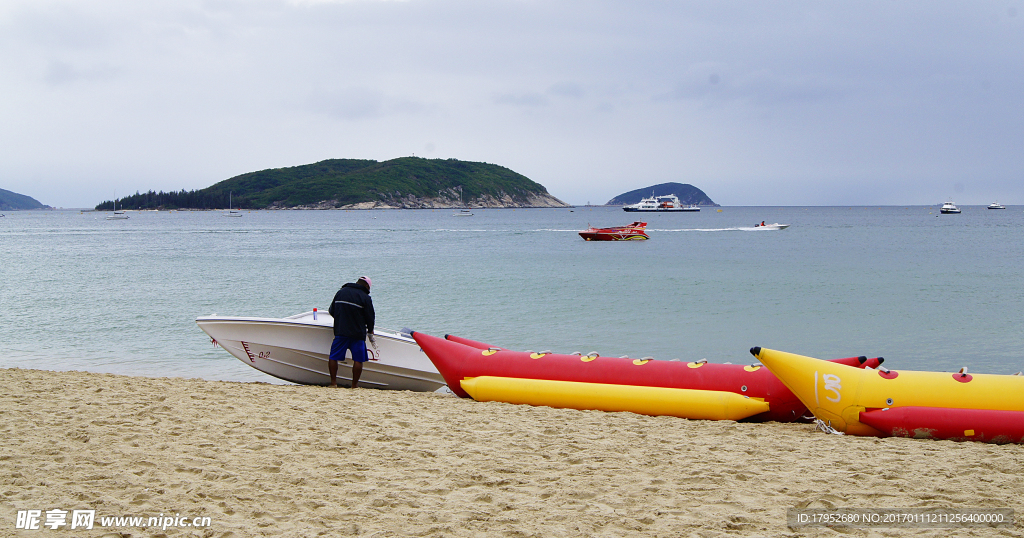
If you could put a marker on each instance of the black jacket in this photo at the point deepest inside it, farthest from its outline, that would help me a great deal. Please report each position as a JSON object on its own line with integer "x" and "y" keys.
{"x": 352, "y": 310}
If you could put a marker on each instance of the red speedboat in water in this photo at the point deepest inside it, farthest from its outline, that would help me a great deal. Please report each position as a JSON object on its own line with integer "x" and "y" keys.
{"x": 630, "y": 232}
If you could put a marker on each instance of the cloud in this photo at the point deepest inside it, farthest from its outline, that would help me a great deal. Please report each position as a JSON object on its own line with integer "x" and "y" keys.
{"x": 590, "y": 97}
{"x": 320, "y": 2}
{"x": 711, "y": 84}
{"x": 569, "y": 90}
{"x": 528, "y": 99}
{"x": 60, "y": 73}
{"x": 362, "y": 104}
{"x": 349, "y": 103}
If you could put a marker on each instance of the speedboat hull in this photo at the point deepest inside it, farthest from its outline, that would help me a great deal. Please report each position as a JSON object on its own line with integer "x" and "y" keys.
{"x": 297, "y": 348}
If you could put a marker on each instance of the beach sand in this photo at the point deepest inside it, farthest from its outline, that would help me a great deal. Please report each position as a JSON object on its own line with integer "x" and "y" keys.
{"x": 272, "y": 460}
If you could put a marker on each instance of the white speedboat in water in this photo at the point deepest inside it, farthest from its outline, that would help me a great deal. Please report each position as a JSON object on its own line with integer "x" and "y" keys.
{"x": 996, "y": 205}
{"x": 669, "y": 202}
{"x": 949, "y": 207}
{"x": 296, "y": 349}
{"x": 775, "y": 226}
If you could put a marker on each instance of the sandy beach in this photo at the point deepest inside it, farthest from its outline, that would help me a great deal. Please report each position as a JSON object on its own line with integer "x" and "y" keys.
{"x": 270, "y": 460}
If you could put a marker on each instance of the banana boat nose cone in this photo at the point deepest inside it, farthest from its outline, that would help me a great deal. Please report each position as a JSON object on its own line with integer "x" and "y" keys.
{"x": 822, "y": 386}
{"x": 755, "y": 351}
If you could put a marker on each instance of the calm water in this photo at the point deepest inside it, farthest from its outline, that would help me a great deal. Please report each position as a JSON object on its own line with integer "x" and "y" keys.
{"x": 925, "y": 291}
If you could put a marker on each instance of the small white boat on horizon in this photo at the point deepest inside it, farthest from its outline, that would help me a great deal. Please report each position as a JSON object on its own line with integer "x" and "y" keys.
{"x": 296, "y": 349}
{"x": 232, "y": 212}
{"x": 949, "y": 207}
{"x": 463, "y": 213}
{"x": 766, "y": 227}
{"x": 118, "y": 215}
{"x": 996, "y": 205}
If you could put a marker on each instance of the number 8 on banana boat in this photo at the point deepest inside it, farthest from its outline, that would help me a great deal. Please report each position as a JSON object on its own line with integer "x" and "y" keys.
{"x": 881, "y": 402}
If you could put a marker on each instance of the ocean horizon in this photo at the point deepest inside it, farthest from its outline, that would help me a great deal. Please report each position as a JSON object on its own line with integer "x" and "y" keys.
{"x": 925, "y": 292}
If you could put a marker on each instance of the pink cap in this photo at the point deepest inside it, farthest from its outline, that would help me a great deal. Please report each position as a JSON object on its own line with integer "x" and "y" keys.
{"x": 367, "y": 280}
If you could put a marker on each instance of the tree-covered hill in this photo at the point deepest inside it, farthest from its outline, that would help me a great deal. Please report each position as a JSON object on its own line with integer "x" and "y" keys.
{"x": 405, "y": 182}
{"x": 10, "y": 201}
{"x": 687, "y": 194}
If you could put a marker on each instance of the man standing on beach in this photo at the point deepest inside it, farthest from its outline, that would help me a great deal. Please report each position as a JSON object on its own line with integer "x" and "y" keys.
{"x": 352, "y": 310}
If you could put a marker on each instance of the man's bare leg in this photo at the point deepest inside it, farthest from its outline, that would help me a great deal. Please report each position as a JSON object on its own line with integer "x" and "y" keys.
{"x": 357, "y": 370}
{"x": 332, "y": 367}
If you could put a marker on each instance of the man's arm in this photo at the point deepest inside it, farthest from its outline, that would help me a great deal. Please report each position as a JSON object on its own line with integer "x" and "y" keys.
{"x": 369, "y": 316}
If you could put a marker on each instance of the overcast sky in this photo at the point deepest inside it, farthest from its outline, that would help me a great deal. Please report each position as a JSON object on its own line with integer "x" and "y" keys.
{"x": 755, "y": 102}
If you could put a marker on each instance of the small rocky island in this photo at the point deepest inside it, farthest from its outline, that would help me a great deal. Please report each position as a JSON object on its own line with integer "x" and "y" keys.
{"x": 403, "y": 183}
{"x": 687, "y": 194}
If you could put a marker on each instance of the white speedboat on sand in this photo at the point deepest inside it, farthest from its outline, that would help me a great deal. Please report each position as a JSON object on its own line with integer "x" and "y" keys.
{"x": 296, "y": 349}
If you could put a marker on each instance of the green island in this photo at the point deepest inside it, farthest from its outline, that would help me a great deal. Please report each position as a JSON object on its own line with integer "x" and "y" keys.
{"x": 403, "y": 183}
{"x": 12, "y": 201}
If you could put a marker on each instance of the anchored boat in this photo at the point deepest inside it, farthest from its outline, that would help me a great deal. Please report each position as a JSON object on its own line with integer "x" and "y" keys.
{"x": 296, "y": 349}
{"x": 630, "y": 232}
{"x": 668, "y": 202}
{"x": 949, "y": 208}
{"x": 117, "y": 215}
{"x": 231, "y": 212}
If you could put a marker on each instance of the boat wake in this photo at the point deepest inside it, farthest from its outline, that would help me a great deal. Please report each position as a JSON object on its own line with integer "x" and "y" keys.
{"x": 737, "y": 229}
{"x": 576, "y": 230}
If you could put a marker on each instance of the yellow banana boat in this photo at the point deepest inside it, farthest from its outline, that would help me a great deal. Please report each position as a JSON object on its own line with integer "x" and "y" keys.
{"x": 926, "y": 404}
{"x": 655, "y": 401}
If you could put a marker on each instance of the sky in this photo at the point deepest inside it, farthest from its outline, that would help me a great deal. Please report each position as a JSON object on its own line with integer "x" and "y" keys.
{"x": 755, "y": 102}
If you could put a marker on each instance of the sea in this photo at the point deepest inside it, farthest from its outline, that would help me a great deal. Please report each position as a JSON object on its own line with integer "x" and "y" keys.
{"x": 923, "y": 290}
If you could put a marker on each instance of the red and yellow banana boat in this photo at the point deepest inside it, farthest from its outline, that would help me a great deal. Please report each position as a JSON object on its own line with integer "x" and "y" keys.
{"x": 882, "y": 402}
{"x": 685, "y": 389}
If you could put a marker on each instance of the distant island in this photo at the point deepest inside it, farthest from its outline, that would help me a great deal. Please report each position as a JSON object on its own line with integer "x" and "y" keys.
{"x": 403, "y": 183}
{"x": 12, "y": 201}
{"x": 687, "y": 194}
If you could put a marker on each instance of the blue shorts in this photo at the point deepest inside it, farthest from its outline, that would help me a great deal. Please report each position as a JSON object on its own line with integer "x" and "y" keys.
{"x": 342, "y": 344}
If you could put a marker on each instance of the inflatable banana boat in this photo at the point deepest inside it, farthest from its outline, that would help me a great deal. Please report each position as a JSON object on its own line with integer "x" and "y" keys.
{"x": 698, "y": 390}
{"x": 933, "y": 405}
